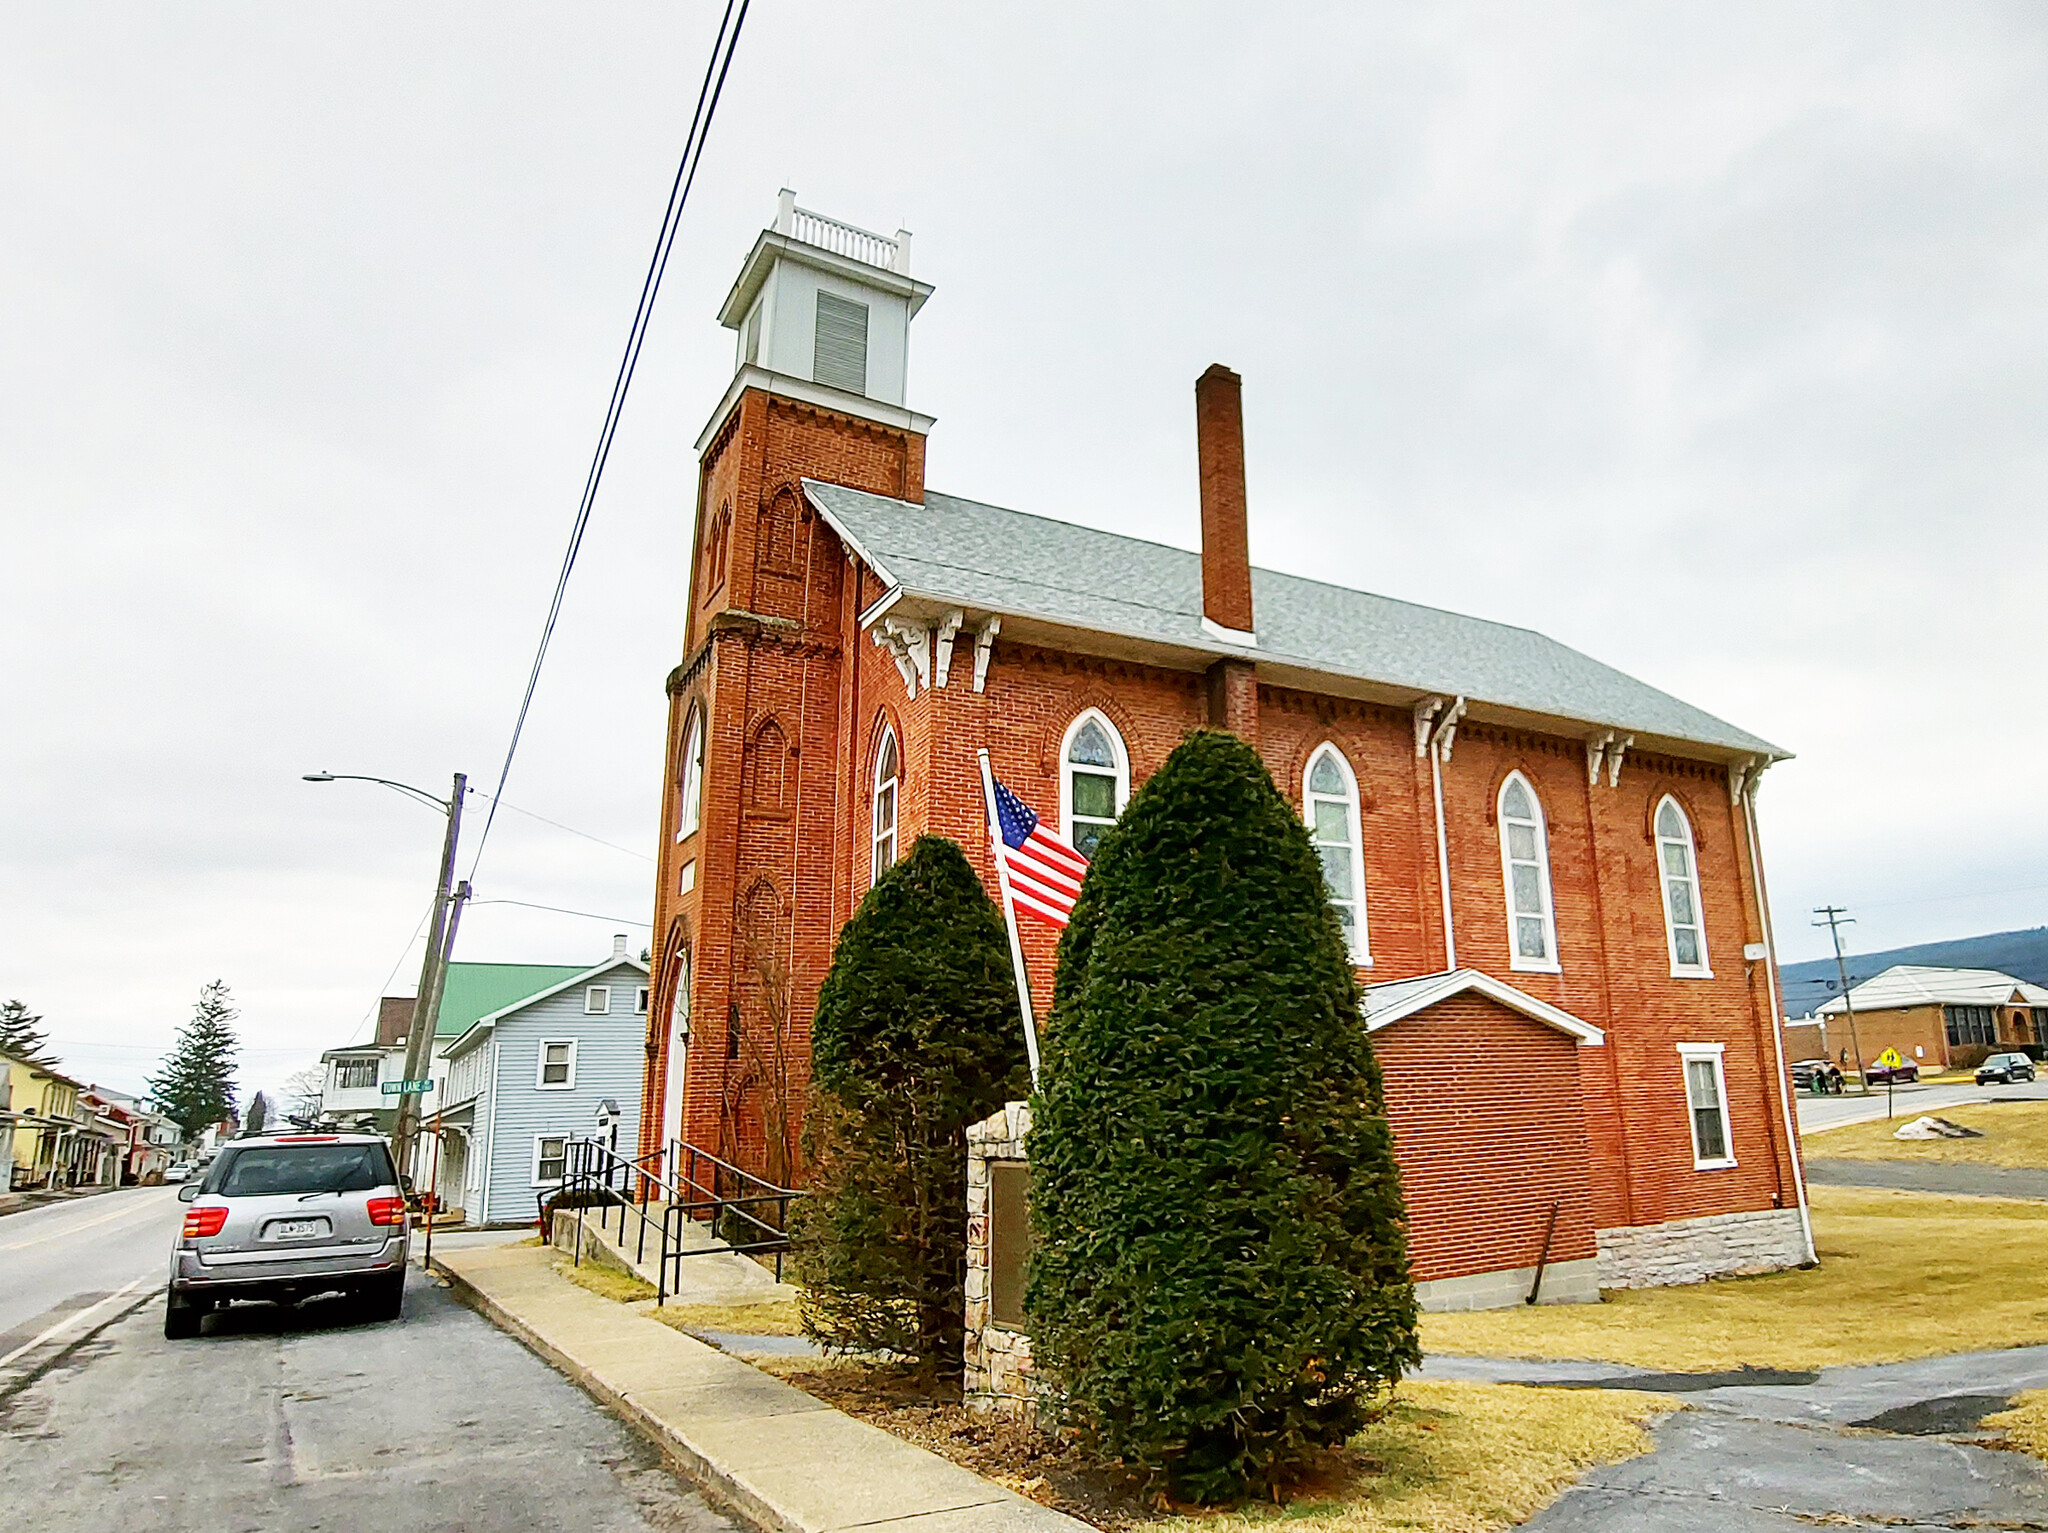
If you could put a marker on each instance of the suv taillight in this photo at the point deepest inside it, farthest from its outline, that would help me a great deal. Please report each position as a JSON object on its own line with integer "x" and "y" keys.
{"x": 386, "y": 1210}
{"x": 201, "y": 1222}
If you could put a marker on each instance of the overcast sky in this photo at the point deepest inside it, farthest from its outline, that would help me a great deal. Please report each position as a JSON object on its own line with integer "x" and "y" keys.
{"x": 1710, "y": 340}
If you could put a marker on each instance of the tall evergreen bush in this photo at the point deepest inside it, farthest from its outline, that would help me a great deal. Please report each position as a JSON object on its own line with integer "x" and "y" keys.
{"x": 1220, "y": 1284}
{"x": 917, "y": 1035}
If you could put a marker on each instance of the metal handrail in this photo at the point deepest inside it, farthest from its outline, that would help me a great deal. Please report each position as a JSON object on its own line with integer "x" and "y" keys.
{"x": 596, "y": 1175}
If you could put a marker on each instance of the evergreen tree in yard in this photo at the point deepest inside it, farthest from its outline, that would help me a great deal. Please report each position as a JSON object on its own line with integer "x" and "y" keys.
{"x": 1220, "y": 1284}
{"x": 917, "y": 1035}
{"x": 22, "y": 1037}
{"x": 197, "y": 1086}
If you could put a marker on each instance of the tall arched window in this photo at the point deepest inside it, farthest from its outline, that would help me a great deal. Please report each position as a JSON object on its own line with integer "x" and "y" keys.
{"x": 1329, "y": 803}
{"x": 888, "y": 780}
{"x": 1679, "y": 867}
{"x": 690, "y": 807}
{"x": 1095, "y": 780}
{"x": 1525, "y": 869}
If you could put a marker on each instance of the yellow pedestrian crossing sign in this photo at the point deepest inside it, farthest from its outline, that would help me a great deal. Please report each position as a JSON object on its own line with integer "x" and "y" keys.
{"x": 1890, "y": 1059}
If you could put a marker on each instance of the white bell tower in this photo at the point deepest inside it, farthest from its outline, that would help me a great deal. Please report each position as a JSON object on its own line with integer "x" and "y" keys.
{"x": 823, "y": 311}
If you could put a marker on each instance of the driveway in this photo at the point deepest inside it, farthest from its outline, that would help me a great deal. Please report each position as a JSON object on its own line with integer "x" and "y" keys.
{"x": 1888, "y": 1447}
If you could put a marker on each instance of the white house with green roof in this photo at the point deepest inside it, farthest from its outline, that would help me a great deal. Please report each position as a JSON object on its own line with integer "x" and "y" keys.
{"x": 529, "y": 1061}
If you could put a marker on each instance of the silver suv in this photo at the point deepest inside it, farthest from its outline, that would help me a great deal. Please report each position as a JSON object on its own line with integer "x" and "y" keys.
{"x": 286, "y": 1217}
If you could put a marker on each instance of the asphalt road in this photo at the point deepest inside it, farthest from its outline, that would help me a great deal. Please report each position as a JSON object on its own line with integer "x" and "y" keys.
{"x": 290, "y": 1418}
{"x": 1907, "y": 1102}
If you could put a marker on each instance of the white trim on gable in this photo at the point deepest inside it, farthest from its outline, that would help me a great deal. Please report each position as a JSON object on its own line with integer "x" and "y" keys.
{"x": 1404, "y": 998}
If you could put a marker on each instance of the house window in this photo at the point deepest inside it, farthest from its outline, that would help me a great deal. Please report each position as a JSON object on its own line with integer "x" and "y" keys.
{"x": 1706, "y": 1100}
{"x": 1329, "y": 801}
{"x": 690, "y": 808}
{"x": 597, "y": 1001}
{"x": 640, "y": 1001}
{"x": 1680, "y": 872}
{"x": 1525, "y": 872}
{"x": 557, "y": 1066}
{"x": 888, "y": 783}
{"x": 839, "y": 351}
{"x": 550, "y": 1159}
{"x": 1969, "y": 1024}
{"x": 355, "y": 1074}
{"x": 1095, "y": 780}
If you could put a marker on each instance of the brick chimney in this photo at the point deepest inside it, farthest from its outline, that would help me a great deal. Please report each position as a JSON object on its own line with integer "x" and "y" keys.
{"x": 1226, "y": 554}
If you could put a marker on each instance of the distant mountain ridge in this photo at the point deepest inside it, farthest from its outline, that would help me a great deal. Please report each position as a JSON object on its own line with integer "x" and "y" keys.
{"x": 2022, "y": 954}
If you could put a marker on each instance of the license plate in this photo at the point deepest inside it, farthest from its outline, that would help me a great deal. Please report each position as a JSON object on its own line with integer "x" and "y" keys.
{"x": 298, "y": 1229}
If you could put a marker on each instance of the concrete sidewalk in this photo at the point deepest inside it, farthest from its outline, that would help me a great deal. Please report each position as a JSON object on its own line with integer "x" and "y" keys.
{"x": 786, "y": 1462}
{"x": 1964, "y": 1179}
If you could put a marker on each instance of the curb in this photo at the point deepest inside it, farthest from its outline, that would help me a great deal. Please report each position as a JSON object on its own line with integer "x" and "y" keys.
{"x": 727, "y": 1493}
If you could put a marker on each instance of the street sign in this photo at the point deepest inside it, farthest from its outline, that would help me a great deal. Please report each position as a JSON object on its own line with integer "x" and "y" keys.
{"x": 1890, "y": 1059}
{"x": 400, "y": 1088}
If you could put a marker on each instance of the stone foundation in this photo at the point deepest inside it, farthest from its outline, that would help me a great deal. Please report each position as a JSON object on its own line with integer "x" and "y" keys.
{"x": 1693, "y": 1250}
{"x": 1563, "y": 1283}
{"x": 999, "y": 1380}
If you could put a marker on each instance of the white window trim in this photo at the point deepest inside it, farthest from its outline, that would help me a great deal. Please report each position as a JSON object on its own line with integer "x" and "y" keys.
{"x": 1687, "y": 1054}
{"x": 597, "y": 1000}
{"x": 1516, "y": 961}
{"x": 1704, "y": 968}
{"x": 1361, "y": 952}
{"x": 553, "y": 1181}
{"x": 640, "y": 1001}
{"x": 1067, "y": 768}
{"x": 690, "y": 812}
{"x": 540, "y": 1066}
{"x": 894, "y": 783}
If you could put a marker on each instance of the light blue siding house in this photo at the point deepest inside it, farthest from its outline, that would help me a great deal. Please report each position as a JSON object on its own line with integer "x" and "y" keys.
{"x": 524, "y": 1080}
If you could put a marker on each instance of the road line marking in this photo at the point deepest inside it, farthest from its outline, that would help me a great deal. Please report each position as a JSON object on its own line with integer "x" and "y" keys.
{"x": 72, "y": 1229}
{"x": 72, "y": 1319}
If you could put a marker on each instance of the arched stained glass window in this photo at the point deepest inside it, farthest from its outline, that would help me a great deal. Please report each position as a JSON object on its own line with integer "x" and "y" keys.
{"x": 888, "y": 781}
{"x": 1525, "y": 869}
{"x": 1329, "y": 803}
{"x": 1678, "y": 867}
{"x": 1095, "y": 780}
{"x": 690, "y": 803}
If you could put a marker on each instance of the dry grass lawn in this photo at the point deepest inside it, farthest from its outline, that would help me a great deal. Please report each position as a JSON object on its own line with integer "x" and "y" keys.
{"x": 607, "y": 1282}
{"x": 1445, "y": 1458}
{"x": 2015, "y": 1134}
{"x": 1902, "y": 1275}
{"x": 1461, "y": 1458}
{"x": 2026, "y": 1424}
{"x": 777, "y": 1317}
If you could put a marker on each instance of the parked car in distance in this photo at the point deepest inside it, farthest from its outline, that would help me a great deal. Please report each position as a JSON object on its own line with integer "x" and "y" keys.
{"x": 1890, "y": 1075}
{"x": 1816, "y": 1075}
{"x": 286, "y": 1217}
{"x": 2005, "y": 1069}
{"x": 179, "y": 1172}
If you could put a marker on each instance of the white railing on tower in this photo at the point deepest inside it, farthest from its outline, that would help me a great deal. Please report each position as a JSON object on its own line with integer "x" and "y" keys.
{"x": 845, "y": 239}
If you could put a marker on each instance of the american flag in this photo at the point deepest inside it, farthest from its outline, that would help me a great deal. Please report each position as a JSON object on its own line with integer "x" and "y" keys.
{"x": 1045, "y": 873}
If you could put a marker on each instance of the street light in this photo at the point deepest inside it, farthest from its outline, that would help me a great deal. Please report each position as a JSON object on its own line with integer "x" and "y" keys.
{"x": 447, "y": 916}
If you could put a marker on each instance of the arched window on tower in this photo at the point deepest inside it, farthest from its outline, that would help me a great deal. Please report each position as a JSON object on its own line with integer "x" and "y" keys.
{"x": 1678, "y": 866}
{"x": 888, "y": 782}
{"x": 1525, "y": 869}
{"x": 1095, "y": 780}
{"x": 690, "y": 791}
{"x": 1329, "y": 803}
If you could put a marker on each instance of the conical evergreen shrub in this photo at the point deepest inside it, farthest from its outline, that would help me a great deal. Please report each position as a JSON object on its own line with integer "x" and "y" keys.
{"x": 917, "y": 1035}
{"x": 1220, "y": 1284}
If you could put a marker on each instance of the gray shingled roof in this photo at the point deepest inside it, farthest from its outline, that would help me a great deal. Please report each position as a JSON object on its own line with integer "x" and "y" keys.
{"x": 992, "y": 560}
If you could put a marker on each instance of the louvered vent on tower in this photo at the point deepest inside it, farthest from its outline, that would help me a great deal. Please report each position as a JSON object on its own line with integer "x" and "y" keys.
{"x": 840, "y": 349}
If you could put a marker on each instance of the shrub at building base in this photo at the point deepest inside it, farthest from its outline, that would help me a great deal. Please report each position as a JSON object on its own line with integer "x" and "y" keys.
{"x": 917, "y": 1035}
{"x": 1220, "y": 1283}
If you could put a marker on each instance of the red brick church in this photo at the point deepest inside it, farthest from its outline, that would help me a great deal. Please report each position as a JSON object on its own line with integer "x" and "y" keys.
{"x": 1550, "y": 872}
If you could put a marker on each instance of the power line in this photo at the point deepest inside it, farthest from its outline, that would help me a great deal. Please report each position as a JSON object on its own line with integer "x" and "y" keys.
{"x": 558, "y": 825}
{"x": 560, "y": 911}
{"x": 708, "y": 94}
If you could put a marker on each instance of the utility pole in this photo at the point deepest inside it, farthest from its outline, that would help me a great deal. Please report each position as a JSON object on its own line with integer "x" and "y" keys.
{"x": 426, "y": 1006}
{"x": 1834, "y": 918}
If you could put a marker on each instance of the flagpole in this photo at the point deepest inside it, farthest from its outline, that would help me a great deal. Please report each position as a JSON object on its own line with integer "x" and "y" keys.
{"x": 995, "y": 835}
